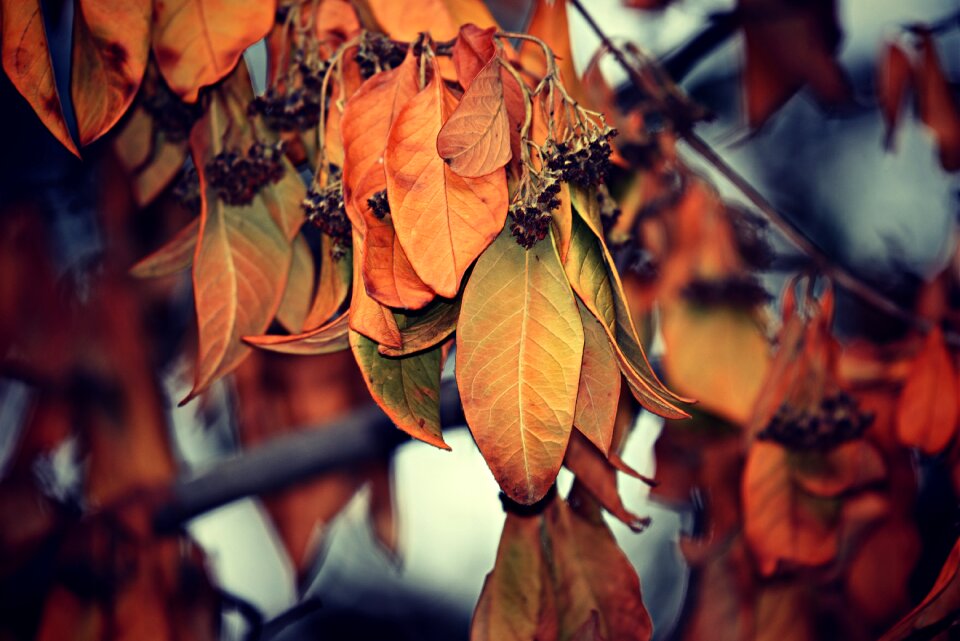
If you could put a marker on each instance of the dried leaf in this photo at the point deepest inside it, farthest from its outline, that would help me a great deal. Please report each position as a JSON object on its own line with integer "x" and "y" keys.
{"x": 549, "y": 23}
{"x": 938, "y": 610}
{"x": 893, "y": 82}
{"x": 325, "y": 339}
{"x": 176, "y": 255}
{"x": 433, "y": 207}
{"x": 332, "y": 284}
{"x": 473, "y": 49}
{"x": 849, "y": 466}
{"x": 406, "y": 388}
{"x": 292, "y": 313}
{"x": 927, "y": 412}
{"x": 367, "y": 316}
{"x": 198, "y": 42}
{"x": 425, "y": 328}
{"x": 440, "y": 18}
{"x": 475, "y": 139}
{"x": 599, "y": 478}
{"x": 26, "y": 60}
{"x": 111, "y": 44}
{"x": 519, "y": 348}
{"x": 382, "y": 511}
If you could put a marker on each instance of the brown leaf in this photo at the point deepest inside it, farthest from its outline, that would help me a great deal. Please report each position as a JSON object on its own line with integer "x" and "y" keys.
{"x": 474, "y": 48}
{"x": 519, "y": 349}
{"x": 294, "y": 305}
{"x": 938, "y": 107}
{"x": 549, "y": 23}
{"x": 368, "y": 316}
{"x": 333, "y": 284}
{"x": 326, "y": 339}
{"x": 475, "y": 139}
{"x": 432, "y": 206}
{"x": 927, "y": 412}
{"x": 425, "y": 328}
{"x": 893, "y": 82}
{"x": 878, "y": 577}
{"x": 848, "y": 467}
{"x": 111, "y": 44}
{"x": 26, "y": 60}
{"x": 198, "y": 42}
{"x": 599, "y": 477}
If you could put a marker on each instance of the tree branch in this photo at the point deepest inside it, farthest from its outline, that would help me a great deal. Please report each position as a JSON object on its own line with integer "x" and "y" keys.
{"x": 362, "y": 436}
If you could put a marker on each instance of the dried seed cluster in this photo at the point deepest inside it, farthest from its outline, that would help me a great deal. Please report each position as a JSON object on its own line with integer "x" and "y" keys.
{"x": 172, "y": 116}
{"x": 294, "y": 106}
{"x": 583, "y": 160}
{"x": 531, "y": 216}
{"x": 379, "y": 204}
{"x": 376, "y": 52}
{"x": 238, "y": 177}
{"x": 324, "y": 208}
{"x": 743, "y": 291}
{"x": 837, "y": 420}
{"x": 187, "y": 190}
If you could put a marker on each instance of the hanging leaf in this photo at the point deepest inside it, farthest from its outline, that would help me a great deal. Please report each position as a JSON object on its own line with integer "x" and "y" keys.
{"x": 292, "y": 313}
{"x": 433, "y": 207}
{"x": 173, "y": 257}
{"x": 893, "y": 83}
{"x": 26, "y": 60}
{"x": 425, "y": 328}
{"x": 332, "y": 284}
{"x": 367, "y": 316}
{"x": 240, "y": 267}
{"x": 440, "y": 18}
{"x": 382, "y": 512}
{"x": 549, "y": 23}
{"x": 198, "y": 42}
{"x": 519, "y": 348}
{"x": 599, "y": 390}
{"x": 111, "y": 44}
{"x": 847, "y": 467}
{"x": 592, "y": 573}
{"x": 781, "y": 524}
{"x": 927, "y": 412}
{"x": 407, "y": 388}
{"x": 475, "y": 139}
{"x": 939, "y": 109}
{"x": 598, "y": 476}
{"x": 326, "y": 339}
{"x": 284, "y": 201}
{"x": 473, "y": 49}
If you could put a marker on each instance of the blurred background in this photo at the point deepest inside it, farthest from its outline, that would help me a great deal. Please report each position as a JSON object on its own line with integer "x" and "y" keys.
{"x": 882, "y": 214}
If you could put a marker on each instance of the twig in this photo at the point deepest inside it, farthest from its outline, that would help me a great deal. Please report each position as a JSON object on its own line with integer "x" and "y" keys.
{"x": 839, "y": 274}
{"x": 364, "y": 435}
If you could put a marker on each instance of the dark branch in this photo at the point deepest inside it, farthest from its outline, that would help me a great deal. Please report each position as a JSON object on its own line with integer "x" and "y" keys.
{"x": 363, "y": 436}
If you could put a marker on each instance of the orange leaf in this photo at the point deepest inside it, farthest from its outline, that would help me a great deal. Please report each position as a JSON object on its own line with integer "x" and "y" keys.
{"x": 198, "y": 42}
{"x": 599, "y": 390}
{"x": 295, "y": 304}
{"x": 519, "y": 348}
{"x": 878, "y": 577}
{"x": 927, "y": 412}
{"x": 433, "y": 207}
{"x": 111, "y": 44}
{"x": 781, "y": 525}
{"x": 938, "y": 108}
{"x": 332, "y": 284}
{"x": 893, "y": 82}
{"x": 441, "y": 18}
{"x": 326, "y": 339}
{"x": 549, "y": 23}
{"x": 26, "y": 60}
{"x": 365, "y": 126}
{"x": 367, "y": 316}
{"x": 240, "y": 266}
{"x": 425, "y": 328}
{"x": 475, "y": 140}
{"x": 849, "y": 466}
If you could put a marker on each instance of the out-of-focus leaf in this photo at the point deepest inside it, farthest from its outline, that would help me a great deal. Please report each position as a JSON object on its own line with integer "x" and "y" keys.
{"x": 928, "y": 409}
{"x": 519, "y": 349}
{"x": 441, "y": 18}
{"x": 26, "y": 60}
{"x": 938, "y": 106}
{"x": 111, "y": 44}
{"x": 173, "y": 257}
{"x": 893, "y": 82}
{"x": 938, "y": 610}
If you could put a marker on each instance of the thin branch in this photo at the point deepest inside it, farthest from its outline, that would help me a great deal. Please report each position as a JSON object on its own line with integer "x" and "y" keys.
{"x": 365, "y": 435}
{"x": 823, "y": 261}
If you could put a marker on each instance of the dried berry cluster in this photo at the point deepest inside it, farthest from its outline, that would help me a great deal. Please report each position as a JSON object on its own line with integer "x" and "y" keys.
{"x": 743, "y": 291}
{"x": 238, "y": 177}
{"x": 531, "y": 216}
{"x": 376, "y": 52}
{"x": 583, "y": 160}
{"x": 296, "y": 105}
{"x": 324, "y": 208}
{"x": 837, "y": 420}
{"x": 187, "y": 190}
{"x": 379, "y": 204}
{"x": 172, "y": 116}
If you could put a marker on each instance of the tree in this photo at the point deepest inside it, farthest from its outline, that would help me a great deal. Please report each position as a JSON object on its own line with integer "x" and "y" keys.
{"x": 413, "y": 182}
